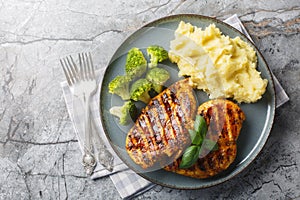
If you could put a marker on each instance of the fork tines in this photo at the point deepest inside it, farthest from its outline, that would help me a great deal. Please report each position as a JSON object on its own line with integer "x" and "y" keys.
{"x": 70, "y": 69}
{"x": 86, "y": 70}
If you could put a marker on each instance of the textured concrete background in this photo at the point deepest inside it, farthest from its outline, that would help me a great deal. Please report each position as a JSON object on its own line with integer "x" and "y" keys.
{"x": 39, "y": 154}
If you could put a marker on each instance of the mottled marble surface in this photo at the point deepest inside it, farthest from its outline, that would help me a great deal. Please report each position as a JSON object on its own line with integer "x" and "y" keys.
{"x": 39, "y": 154}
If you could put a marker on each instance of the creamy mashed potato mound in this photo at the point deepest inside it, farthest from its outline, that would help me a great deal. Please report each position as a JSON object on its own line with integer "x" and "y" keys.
{"x": 221, "y": 66}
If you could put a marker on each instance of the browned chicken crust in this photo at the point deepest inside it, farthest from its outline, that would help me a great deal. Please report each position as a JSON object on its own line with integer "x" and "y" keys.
{"x": 224, "y": 119}
{"x": 161, "y": 131}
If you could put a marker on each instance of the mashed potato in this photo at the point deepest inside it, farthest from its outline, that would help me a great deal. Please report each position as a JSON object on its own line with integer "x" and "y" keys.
{"x": 221, "y": 66}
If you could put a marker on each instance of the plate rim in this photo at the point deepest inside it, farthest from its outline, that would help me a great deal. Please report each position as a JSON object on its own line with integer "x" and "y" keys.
{"x": 257, "y": 149}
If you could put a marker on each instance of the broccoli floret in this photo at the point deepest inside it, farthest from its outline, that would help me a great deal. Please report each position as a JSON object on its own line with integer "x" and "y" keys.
{"x": 157, "y": 54}
{"x": 120, "y": 86}
{"x": 126, "y": 113}
{"x": 136, "y": 64}
{"x": 139, "y": 90}
{"x": 158, "y": 77}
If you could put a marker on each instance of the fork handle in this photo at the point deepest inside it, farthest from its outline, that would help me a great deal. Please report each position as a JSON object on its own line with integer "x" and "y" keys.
{"x": 104, "y": 156}
{"x": 88, "y": 160}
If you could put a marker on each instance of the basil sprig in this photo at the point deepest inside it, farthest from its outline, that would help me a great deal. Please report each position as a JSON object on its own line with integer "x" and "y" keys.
{"x": 191, "y": 154}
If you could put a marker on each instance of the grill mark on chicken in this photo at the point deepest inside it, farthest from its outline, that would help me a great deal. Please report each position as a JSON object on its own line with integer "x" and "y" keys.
{"x": 173, "y": 115}
{"x": 154, "y": 129}
{"x": 144, "y": 142}
{"x": 157, "y": 111}
{"x": 224, "y": 119}
{"x": 148, "y": 133}
{"x": 164, "y": 108}
{"x": 163, "y": 127}
{"x": 180, "y": 119}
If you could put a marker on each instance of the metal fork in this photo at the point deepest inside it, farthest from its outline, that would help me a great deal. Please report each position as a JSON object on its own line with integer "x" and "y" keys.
{"x": 83, "y": 84}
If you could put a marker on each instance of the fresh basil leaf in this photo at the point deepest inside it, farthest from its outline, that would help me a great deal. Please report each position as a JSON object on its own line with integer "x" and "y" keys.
{"x": 192, "y": 134}
{"x": 190, "y": 156}
{"x": 195, "y": 137}
{"x": 197, "y": 123}
{"x": 210, "y": 145}
{"x": 203, "y": 127}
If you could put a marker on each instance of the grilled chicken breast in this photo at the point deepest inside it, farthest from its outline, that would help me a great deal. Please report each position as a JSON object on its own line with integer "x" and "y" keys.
{"x": 160, "y": 134}
{"x": 224, "y": 119}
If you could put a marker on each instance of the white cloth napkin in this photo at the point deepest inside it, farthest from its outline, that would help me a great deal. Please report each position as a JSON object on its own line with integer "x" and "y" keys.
{"x": 127, "y": 182}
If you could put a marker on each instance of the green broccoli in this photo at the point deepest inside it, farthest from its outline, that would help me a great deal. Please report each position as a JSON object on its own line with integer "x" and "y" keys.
{"x": 139, "y": 90}
{"x": 126, "y": 113}
{"x": 136, "y": 64}
{"x": 120, "y": 86}
{"x": 158, "y": 77}
{"x": 157, "y": 54}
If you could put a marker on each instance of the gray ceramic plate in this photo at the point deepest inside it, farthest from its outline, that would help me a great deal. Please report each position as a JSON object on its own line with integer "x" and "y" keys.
{"x": 255, "y": 129}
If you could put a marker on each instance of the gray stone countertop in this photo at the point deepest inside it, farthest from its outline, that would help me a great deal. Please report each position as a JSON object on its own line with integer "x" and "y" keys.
{"x": 39, "y": 153}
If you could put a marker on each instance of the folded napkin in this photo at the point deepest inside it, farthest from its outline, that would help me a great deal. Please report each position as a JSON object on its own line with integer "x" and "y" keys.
{"x": 127, "y": 182}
